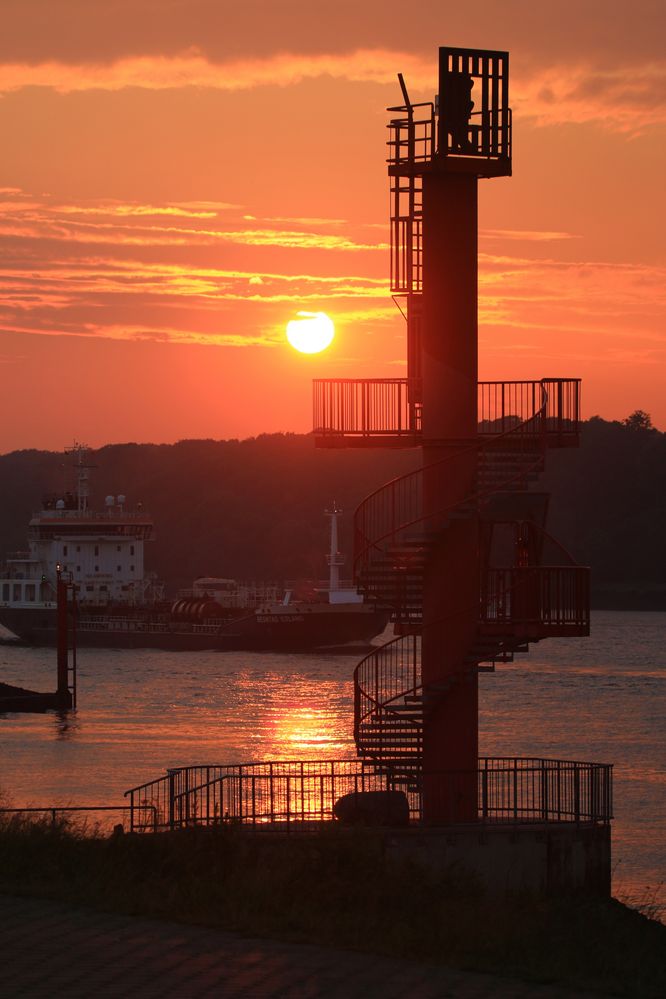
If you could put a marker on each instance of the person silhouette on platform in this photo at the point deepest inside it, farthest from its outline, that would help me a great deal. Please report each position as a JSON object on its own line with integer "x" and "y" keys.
{"x": 457, "y": 107}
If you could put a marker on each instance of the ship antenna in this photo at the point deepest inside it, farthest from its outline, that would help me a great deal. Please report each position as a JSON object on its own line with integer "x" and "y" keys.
{"x": 335, "y": 558}
{"x": 82, "y": 475}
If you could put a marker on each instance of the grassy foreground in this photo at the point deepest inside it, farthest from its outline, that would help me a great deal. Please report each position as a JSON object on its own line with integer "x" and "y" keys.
{"x": 337, "y": 888}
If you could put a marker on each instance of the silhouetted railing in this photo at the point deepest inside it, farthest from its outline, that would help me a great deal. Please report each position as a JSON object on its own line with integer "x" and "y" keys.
{"x": 546, "y": 596}
{"x": 382, "y": 408}
{"x": 383, "y": 682}
{"x": 284, "y": 794}
{"x": 300, "y": 796}
{"x": 393, "y": 515}
{"x": 517, "y": 605}
{"x": 411, "y": 139}
{"x": 55, "y": 814}
{"x": 516, "y": 789}
{"x": 369, "y": 407}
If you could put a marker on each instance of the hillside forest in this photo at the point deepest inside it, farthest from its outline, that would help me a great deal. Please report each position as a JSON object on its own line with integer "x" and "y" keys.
{"x": 254, "y": 509}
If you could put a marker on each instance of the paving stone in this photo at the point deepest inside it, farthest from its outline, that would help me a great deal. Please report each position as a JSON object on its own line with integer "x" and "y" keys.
{"x": 53, "y": 949}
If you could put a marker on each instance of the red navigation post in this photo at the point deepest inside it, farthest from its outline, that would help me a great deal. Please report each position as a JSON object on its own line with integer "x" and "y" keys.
{"x": 65, "y": 695}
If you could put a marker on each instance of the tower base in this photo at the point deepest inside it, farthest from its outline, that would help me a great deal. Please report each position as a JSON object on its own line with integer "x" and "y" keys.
{"x": 537, "y": 859}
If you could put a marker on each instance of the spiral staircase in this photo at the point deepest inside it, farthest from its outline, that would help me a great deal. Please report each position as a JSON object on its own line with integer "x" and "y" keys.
{"x": 533, "y": 592}
{"x": 539, "y": 592}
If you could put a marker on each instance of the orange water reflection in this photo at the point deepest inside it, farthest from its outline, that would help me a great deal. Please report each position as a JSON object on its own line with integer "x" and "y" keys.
{"x": 302, "y": 731}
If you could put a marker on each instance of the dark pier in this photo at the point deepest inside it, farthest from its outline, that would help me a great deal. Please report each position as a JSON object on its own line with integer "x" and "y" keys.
{"x": 32, "y": 701}
{"x": 20, "y": 699}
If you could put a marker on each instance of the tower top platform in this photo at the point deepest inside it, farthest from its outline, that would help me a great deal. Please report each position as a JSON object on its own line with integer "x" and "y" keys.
{"x": 466, "y": 129}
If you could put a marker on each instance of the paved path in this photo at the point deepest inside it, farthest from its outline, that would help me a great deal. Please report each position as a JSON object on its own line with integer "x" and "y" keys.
{"x": 53, "y": 949}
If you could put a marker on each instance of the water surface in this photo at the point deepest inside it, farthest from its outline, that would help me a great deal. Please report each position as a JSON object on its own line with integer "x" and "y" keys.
{"x": 601, "y": 698}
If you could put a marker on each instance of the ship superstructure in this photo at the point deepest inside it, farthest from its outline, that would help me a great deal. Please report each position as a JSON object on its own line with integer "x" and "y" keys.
{"x": 102, "y": 550}
{"x": 120, "y": 606}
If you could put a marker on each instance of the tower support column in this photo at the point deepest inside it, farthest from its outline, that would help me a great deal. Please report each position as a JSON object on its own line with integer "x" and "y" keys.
{"x": 451, "y": 586}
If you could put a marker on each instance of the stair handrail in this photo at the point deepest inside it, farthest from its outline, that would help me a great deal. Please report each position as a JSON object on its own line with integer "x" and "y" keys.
{"x": 479, "y": 445}
{"x": 384, "y": 705}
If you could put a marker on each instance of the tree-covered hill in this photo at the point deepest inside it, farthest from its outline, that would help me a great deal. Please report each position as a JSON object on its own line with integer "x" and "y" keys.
{"x": 253, "y": 509}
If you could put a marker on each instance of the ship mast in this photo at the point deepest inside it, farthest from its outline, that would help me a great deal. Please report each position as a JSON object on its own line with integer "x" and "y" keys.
{"x": 82, "y": 475}
{"x": 335, "y": 558}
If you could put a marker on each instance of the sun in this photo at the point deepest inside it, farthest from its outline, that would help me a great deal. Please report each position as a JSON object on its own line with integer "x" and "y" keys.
{"x": 311, "y": 332}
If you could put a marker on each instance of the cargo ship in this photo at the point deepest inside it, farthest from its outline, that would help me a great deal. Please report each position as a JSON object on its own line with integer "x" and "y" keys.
{"x": 120, "y": 605}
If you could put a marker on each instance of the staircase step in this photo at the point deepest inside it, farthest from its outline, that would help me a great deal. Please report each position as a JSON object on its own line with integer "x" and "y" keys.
{"x": 393, "y": 758}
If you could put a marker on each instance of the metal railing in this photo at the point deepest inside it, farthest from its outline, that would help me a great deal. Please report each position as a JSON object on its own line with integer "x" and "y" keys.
{"x": 395, "y": 511}
{"x": 518, "y": 605}
{"x": 520, "y": 790}
{"x": 278, "y": 794}
{"x": 365, "y": 407}
{"x": 550, "y": 597}
{"x": 411, "y": 140}
{"x": 383, "y": 681}
{"x": 52, "y": 813}
{"x": 300, "y": 795}
{"x": 384, "y": 407}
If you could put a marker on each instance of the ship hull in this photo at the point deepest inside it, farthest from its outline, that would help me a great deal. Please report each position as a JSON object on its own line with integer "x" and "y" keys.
{"x": 297, "y": 629}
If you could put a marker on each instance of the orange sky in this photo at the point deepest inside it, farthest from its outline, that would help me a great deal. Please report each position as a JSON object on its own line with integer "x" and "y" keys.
{"x": 180, "y": 177}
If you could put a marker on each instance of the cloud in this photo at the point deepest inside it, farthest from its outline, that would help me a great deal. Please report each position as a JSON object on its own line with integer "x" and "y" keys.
{"x": 91, "y": 270}
{"x": 183, "y": 209}
{"x": 525, "y": 235}
{"x": 624, "y": 98}
{"x": 627, "y": 97}
{"x": 111, "y": 222}
{"x": 192, "y": 69}
{"x": 617, "y": 300}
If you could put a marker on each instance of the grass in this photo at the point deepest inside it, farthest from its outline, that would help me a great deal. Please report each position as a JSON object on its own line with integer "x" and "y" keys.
{"x": 336, "y": 887}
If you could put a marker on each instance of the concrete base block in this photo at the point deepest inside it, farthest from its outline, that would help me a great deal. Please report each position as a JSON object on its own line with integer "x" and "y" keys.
{"x": 534, "y": 858}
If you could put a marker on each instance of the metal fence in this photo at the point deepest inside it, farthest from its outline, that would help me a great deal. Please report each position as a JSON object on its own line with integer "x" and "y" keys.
{"x": 548, "y": 596}
{"x": 85, "y": 819}
{"x": 360, "y": 408}
{"x": 300, "y": 795}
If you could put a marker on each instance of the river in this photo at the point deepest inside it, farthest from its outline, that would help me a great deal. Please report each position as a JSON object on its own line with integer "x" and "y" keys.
{"x": 601, "y": 698}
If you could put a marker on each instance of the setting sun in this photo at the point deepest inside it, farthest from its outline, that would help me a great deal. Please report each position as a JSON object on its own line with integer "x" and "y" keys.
{"x": 311, "y": 333}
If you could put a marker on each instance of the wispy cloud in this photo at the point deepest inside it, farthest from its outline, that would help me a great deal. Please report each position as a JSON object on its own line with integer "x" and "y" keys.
{"x": 628, "y": 97}
{"x": 625, "y": 98}
{"x": 192, "y": 69}
{"x": 97, "y": 270}
{"x": 525, "y": 235}
{"x": 113, "y": 222}
{"x": 107, "y": 269}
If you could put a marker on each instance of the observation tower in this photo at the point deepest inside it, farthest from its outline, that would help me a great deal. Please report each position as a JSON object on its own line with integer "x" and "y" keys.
{"x": 457, "y": 549}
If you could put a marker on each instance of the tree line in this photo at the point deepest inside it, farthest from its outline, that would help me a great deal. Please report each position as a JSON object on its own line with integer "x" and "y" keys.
{"x": 254, "y": 509}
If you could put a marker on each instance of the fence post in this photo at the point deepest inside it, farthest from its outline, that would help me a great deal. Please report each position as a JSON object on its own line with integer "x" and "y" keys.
{"x": 172, "y": 804}
{"x": 484, "y": 792}
{"x": 594, "y": 793}
{"x": 288, "y": 779}
{"x": 544, "y": 791}
{"x": 515, "y": 790}
{"x": 576, "y": 794}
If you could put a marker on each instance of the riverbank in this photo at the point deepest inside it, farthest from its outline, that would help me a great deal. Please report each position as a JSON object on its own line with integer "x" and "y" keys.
{"x": 338, "y": 890}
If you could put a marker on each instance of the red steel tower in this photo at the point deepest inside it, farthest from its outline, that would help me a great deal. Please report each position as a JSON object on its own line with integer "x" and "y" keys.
{"x": 457, "y": 549}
